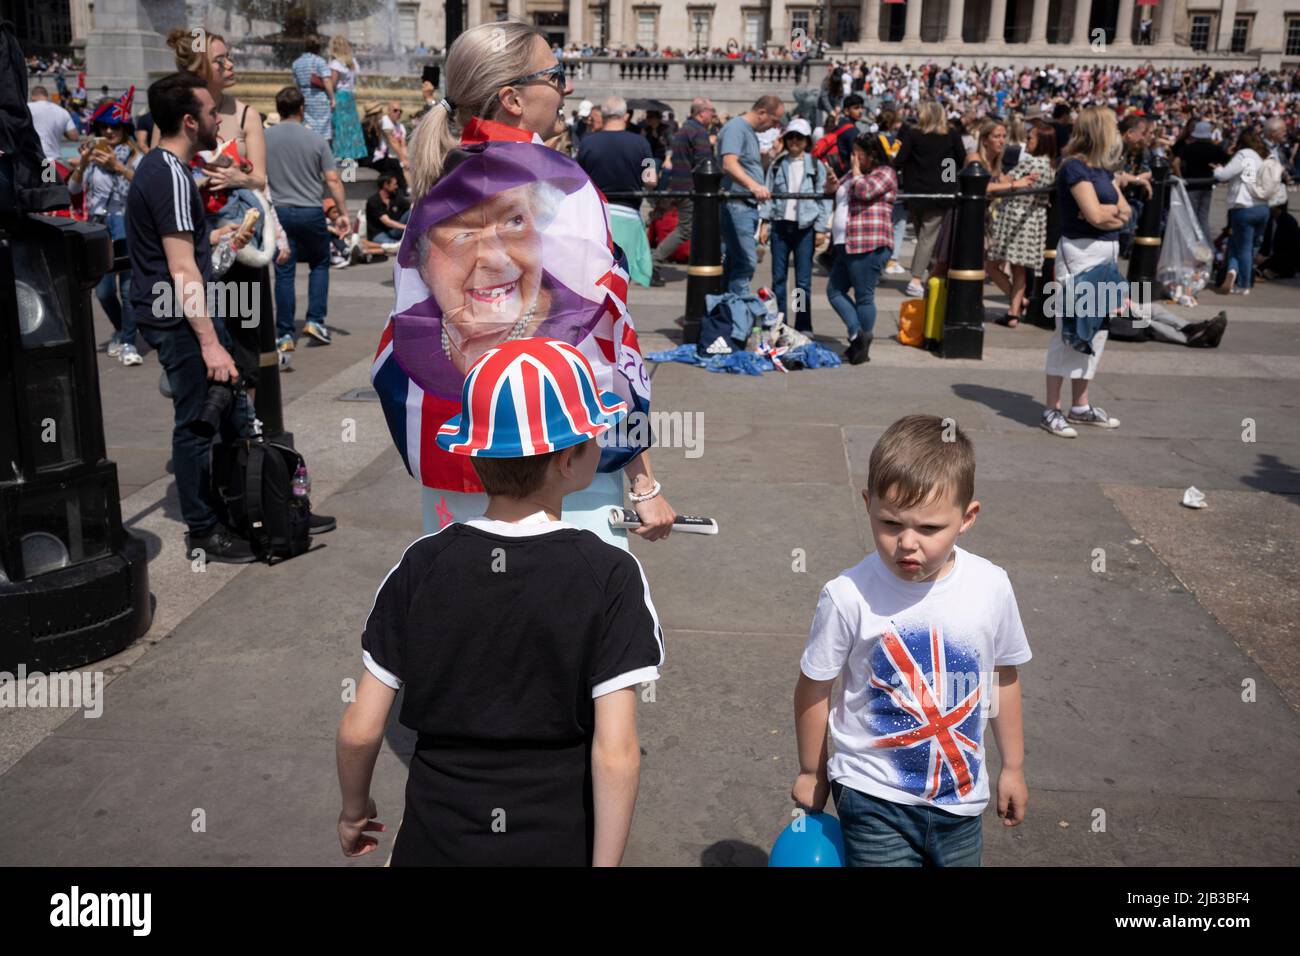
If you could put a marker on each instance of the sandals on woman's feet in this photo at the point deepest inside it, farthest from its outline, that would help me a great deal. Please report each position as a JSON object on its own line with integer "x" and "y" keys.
{"x": 1008, "y": 320}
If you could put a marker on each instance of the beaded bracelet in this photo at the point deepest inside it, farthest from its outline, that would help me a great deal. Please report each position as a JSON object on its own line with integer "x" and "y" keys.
{"x": 652, "y": 493}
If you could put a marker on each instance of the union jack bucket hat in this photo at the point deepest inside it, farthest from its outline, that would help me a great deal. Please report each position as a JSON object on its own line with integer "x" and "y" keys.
{"x": 115, "y": 113}
{"x": 529, "y": 397}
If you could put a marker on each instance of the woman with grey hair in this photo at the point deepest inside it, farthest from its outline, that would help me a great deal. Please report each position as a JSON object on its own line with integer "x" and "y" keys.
{"x": 483, "y": 266}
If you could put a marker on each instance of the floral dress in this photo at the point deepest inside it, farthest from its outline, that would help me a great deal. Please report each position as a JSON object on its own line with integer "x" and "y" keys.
{"x": 1017, "y": 229}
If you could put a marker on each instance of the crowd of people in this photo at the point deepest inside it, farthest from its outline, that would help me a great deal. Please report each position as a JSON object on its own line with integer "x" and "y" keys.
{"x": 203, "y": 187}
{"x": 732, "y": 50}
{"x": 848, "y": 149}
{"x": 923, "y": 125}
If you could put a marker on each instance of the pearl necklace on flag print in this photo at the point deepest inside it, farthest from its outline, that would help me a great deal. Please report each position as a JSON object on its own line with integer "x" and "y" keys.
{"x": 516, "y": 332}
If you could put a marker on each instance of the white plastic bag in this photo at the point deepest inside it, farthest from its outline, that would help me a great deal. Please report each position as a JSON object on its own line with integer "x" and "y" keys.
{"x": 1186, "y": 256}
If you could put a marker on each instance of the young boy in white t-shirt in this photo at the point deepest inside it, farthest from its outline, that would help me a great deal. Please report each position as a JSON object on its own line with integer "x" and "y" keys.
{"x": 926, "y": 638}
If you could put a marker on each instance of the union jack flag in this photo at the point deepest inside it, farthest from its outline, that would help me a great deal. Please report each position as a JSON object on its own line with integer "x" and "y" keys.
{"x": 117, "y": 112}
{"x": 529, "y": 397}
{"x": 934, "y": 740}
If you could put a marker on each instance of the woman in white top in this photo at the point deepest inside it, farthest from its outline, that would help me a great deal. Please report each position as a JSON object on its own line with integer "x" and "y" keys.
{"x": 793, "y": 224}
{"x": 390, "y": 156}
{"x": 348, "y": 142}
{"x": 1247, "y": 213}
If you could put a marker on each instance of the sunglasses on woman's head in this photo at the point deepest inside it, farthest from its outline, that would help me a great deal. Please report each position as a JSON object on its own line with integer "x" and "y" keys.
{"x": 553, "y": 75}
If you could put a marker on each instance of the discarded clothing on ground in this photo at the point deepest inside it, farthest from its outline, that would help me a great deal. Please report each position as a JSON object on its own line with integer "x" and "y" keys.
{"x": 810, "y": 355}
{"x": 732, "y": 317}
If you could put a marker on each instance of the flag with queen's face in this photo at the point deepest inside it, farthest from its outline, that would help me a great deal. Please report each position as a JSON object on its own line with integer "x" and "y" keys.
{"x": 512, "y": 242}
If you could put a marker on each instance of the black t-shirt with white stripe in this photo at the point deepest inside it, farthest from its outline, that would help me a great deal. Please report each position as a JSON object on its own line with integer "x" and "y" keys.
{"x": 502, "y": 635}
{"x": 163, "y": 200}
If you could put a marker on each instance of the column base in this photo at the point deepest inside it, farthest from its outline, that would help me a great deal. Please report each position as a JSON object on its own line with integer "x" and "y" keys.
{"x": 121, "y": 58}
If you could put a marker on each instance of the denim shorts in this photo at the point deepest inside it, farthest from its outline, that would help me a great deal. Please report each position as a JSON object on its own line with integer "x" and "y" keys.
{"x": 882, "y": 833}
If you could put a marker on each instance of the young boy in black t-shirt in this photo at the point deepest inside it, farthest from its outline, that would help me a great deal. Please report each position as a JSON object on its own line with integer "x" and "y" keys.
{"x": 519, "y": 641}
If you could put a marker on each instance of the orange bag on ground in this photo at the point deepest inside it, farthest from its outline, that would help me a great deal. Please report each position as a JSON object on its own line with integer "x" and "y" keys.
{"x": 911, "y": 323}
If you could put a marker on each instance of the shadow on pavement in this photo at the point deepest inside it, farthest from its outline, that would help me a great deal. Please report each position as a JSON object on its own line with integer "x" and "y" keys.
{"x": 733, "y": 853}
{"x": 1276, "y": 476}
{"x": 1017, "y": 406}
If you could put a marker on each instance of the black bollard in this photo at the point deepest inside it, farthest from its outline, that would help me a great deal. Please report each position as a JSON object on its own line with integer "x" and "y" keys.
{"x": 268, "y": 403}
{"x": 963, "y": 318}
{"x": 1047, "y": 273}
{"x": 704, "y": 273}
{"x": 1146, "y": 243}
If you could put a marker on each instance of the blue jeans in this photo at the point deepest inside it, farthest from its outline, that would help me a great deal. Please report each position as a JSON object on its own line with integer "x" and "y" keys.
{"x": 114, "y": 289}
{"x": 900, "y": 227}
{"x": 182, "y": 359}
{"x": 393, "y": 235}
{"x": 861, "y": 271}
{"x": 1245, "y": 223}
{"x": 1200, "y": 200}
{"x": 882, "y": 833}
{"x": 740, "y": 248}
{"x": 787, "y": 237}
{"x": 309, "y": 240}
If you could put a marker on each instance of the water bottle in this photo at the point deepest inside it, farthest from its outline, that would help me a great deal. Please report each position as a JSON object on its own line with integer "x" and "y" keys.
{"x": 768, "y": 298}
{"x": 301, "y": 481}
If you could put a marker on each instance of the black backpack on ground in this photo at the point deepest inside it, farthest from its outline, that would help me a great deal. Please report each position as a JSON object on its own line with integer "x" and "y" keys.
{"x": 254, "y": 484}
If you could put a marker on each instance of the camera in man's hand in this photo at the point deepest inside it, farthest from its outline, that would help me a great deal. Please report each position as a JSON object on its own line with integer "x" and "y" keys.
{"x": 216, "y": 406}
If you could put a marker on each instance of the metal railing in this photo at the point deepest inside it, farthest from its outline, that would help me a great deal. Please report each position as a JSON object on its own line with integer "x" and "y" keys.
{"x": 961, "y": 266}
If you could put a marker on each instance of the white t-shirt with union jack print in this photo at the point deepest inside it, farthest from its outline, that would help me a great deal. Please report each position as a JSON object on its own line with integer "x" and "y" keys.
{"x": 917, "y": 663}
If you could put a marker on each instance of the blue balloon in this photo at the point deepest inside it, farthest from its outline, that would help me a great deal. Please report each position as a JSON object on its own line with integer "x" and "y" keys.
{"x": 811, "y": 840}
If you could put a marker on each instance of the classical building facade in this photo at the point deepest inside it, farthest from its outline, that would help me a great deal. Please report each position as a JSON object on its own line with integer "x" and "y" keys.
{"x": 122, "y": 37}
{"x": 1263, "y": 31}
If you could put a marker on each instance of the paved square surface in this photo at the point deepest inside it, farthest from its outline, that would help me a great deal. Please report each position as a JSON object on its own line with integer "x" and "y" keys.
{"x": 1161, "y": 700}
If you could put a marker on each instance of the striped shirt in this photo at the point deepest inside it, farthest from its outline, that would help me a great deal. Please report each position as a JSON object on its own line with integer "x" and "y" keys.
{"x": 317, "y": 115}
{"x": 163, "y": 200}
{"x": 690, "y": 146}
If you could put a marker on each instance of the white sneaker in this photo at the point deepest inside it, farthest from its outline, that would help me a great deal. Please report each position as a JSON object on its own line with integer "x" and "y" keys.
{"x": 1055, "y": 423}
{"x": 340, "y": 262}
{"x": 390, "y": 247}
{"x": 130, "y": 356}
{"x": 914, "y": 289}
{"x": 892, "y": 268}
{"x": 1093, "y": 416}
{"x": 1229, "y": 279}
{"x": 115, "y": 345}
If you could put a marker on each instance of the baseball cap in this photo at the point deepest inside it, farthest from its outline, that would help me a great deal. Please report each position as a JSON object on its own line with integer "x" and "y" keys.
{"x": 798, "y": 125}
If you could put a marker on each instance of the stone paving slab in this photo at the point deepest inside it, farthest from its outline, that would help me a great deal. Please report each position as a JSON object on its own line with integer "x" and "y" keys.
{"x": 1133, "y": 700}
{"x": 1239, "y": 557}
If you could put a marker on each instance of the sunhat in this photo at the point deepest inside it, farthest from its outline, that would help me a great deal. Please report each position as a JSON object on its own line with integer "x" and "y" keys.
{"x": 115, "y": 113}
